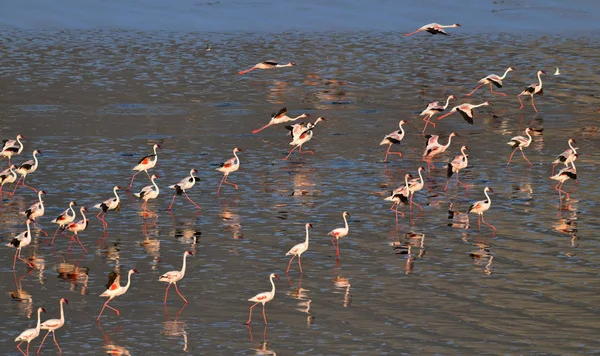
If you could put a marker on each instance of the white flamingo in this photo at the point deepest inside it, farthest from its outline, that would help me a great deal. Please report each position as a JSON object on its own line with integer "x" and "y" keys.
{"x": 29, "y": 334}
{"x": 263, "y": 298}
{"x": 298, "y": 250}
{"x": 175, "y": 276}
{"x": 54, "y": 324}
{"x": 338, "y": 234}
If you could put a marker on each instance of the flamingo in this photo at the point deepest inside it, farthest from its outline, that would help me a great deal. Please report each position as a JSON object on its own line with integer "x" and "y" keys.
{"x": 7, "y": 176}
{"x": 26, "y": 168}
{"x": 399, "y": 195}
{"x": 434, "y": 29}
{"x": 432, "y": 109}
{"x": 30, "y": 334}
{"x": 434, "y": 148}
{"x": 533, "y": 89}
{"x": 149, "y": 192}
{"x": 298, "y": 250}
{"x": 339, "y": 233}
{"x": 279, "y": 118}
{"x": 21, "y": 240}
{"x": 493, "y": 79}
{"x": 303, "y": 137}
{"x": 562, "y": 176}
{"x": 466, "y": 110}
{"x": 115, "y": 289}
{"x": 175, "y": 276}
{"x": 414, "y": 185}
{"x": 393, "y": 138}
{"x": 145, "y": 164}
{"x": 12, "y": 147}
{"x": 459, "y": 162}
{"x": 183, "y": 185}
{"x": 64, "y": 219}
{"x": 481, "y": 207}
{"x": 263, "y": 298}
{"x": 77, "y": 227}
{"x": 568, "y": 156}
{"x": 36, "y": 210}
{"x": 520, "y": 142}
{"x": 107, "y": 205}
{"x": 267, "y": 65}
{"x": 229, "y": 166}
{"x": 53, "y": 324}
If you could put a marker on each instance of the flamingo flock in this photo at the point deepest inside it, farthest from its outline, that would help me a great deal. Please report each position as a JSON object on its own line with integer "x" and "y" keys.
{"x": 301, "y": 134}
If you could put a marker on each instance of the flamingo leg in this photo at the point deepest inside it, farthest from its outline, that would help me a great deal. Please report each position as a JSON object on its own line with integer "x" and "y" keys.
{"x": 264, "y": 315}
{"x": 387, "y": 152}
{"x": 182, "y": 297}
{"x": 42, "y": 343}
{"x": 495, "y": 92}
{"x": 533, "y": 104}
{"x": 226, "y": 182}
{"x": 15, "y": 259}
{"x": 16, "y": 185}
{"x": 446, "y": 186}
{"x": 299, "y": 265}
{"x": 172, "y": 201}
{"x": 26, "y": 186}
{"x": 520, "y": 102}
{"x": 262, "y": 128}
{"x": 24, "y": 260}
{"x": 79, "y": 242}
{"x": 148, "y": 174}
{"x": 479, "y": 221}
{"x": 116, "y": 310}
{"x": 55, "y": 232}
{"x": 246, "y": 71}
{"x": 559, "y": 188}
{"x": 479, "y": 86}
{"x": 412, "y": 33}
{"x": 54, "y": 337}
{"x": 289, "y": 153}
{"x": 553, "y": 166}
{"x": 511, "y": 156}
{"x": 411, "y": 203}
{"x": 167, "y": 293}
{"x": 19, "y": 348}
{"x": 287, "y": 271}
{"x": 250, "y": 316}
{"x": 488, "y": 224}
{"x": 132, "y": 178}
{"x": 191, "y": 201}
{"x": 38, "y": 227}
{"x": 302, "y": 152}
{"x": 220, "y": 184}
{"x": 463, "y": 184}
{"x": 102, "y": 310}
{"x": 523, "y": 153}
{"x": 427, "y": 122}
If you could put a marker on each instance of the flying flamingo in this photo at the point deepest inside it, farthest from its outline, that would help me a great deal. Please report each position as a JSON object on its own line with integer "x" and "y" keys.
{"x": 414, "y": 185}
{"x": 229, "y": 166}
{"x": 36, "y": 210}
{"x": 26, "y": 168}
{"x": 493, "y": 79}
{"x": 303, "y": 138}
{"x": 466, "y": 110}
{"x": 531, "y": 90}
{"x": 12, "y": 147}
{"x": 298, "y": 250}
{"x": 53, "y": 324}
{"x": 64, "y": 219}
{"x": 520, "y": 142}
{"x": 145, "y": 164}
{"x": 263, "y": 298}
{"x": 399, "y": 195}
{"x": 568, "y": 156}
{"x": 149, "y": 192}
{"x": 393, "y": 138}
{"x": 562, "y": 176}
{"x": 183, "y": 186}
{"x": 107, "y": 205}
{"x": 21, "y": 240}
{"x": 30, "y": 334}
{"x": 434, "y": 29}
{"x": 481, "y": 207}
{"x": 434, "y": 148}
{"x": 175, "y": 276}
{"x": 279, "y": 118}
{"x": 432, "y": 109}
{"x": 77, "y": 227}
{"x": 338, "y": 233}
{"x": 459, "y": 162}
{"x": 7, "y": 176}
{"x": 115, "y": 289}
{"x": 267, "y": 65}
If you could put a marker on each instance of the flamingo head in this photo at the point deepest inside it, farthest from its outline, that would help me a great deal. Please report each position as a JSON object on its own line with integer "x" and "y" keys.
{"x": 453, "y": 134}
{"x": 195, "y": 170}
{"x": 465, "y": 148}
{"x": 20, "y": 137}
{"x": 117, "y": 187}
{"x": 456, "y": 25}
{"x": 37, "y": 152}
{"x": 29, "y": 221}
{"x": 421, "y": 169}
{"x": 402, "y": 122}
{"x": 276, "y": 276}
{"x": 487, "y": 103}
{"x": 13, "y": 166}
{"x": 572, "y": 140}
{"x": 237, "y": 150}
{"x": 157, "y": 146}
{"x": 511, "y": 69}
{"x": 319, "y": 119}
{"x": 42, "y": 309}
{"x": 308, "y": 225}
{"x": 293, "y": 64}
{"x": 154, "y": 176}
{"x": 529, "y": 129}
{"x": 542, "y": 72}
{"x": 42, "y": 192}
{"x": 304, "y": 115}
{"x": 488, "y": 189}
{"x": 134, "y": 271}
{"x": 84, "y": 208}
{"x": 188, "y": 253}
{"x": 63, "y": 300}
{"x": 73, "y": 203}
{"x": 453, "y": 97}
{"x": 346, "y": 213}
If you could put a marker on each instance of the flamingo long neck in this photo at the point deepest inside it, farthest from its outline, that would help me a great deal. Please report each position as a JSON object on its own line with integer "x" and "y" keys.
{"x": 401, "y": 128}
{"x": 570, "y": 145}
{"x": 283, "y": 65}
{"x": 272, "y": 285}
{"x": 505, "y": 73}
{"x": 487, "y": 196}
{"x": 35, "y": 160}
{"x": 72, "y": 211}
{"x": 14, "y": 174}
{"x": 528, "y": 135}
{"x": 155, "y": 186}
{"x": 479, "y": 105}
{"x": 406, "y": 183}
{"x": 447, "y": 102}
{"x": 116, "y": 195}
{"x": 462, "y": 150}
{"x": 573, "y": 165}
{"x": 298, "y": 117}
{"x": 235, "y": 155}
{"x": 82, "y": 214}
{"x": 20, "y": 145}
{"x": 40, "y": 197}
{"x": 540, "y": 78}
{"x": 345, "y": 223}
{"x": 28, "y": 229}
{"x": 306, "y": 240}
{"x": 155, "y": 150}
{"x": 62, "y": 312}
{"x": 37, "y": 327}
{"x": 448, "y": 144}
{"x": 128, "y": 282}
{"x": 421, "y": 176}
{"x": 184, "y": 264}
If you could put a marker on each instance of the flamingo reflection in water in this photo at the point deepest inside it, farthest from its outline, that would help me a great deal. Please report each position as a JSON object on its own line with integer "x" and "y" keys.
{"x": 22, "y": 297}
{"x": 74, "y": 274}
{"x": 175, "y": 328}
{"x": 109, "y": 347}
{"x": 261, "y": 347}
{"x": 483, "y": 257}
{"x": 342, "y": 284}
{"x": 299, "y": 293}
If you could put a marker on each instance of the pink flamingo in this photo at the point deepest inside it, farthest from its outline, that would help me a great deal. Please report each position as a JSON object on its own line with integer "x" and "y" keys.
{"x": 107, "y": 205}
{"x": 562, "y": 176}
{"x": 149, "y": 192}
{"x": 303, "y": 137}
{"x": 567, "y": 157}
{"x": 175, "y": 276}
{"x": 280, "y": 118}
{"x": 520, "y": 142}
{"x": 533, "y": 89}
{"x": 115, "y": 289}
{"x": 263, "y": 298}
{"x": 393, "y": 138}
{"x": 493, "y": 79}
{"x": 21, "y": 240}
{"x": 54, "y": 324}
{"x": 399, "y": 195}
{"x": 267, "y": 65}
{"x": 434, "y": 148}
{"x": 36, "y": 210}
{"x": 12, "y": 147}
{"x": 466, "y": 110}
{"x": 434, "y": 29}
{"x": 459, "y": 162}
{"x": 26, "y": 168}
{"x": 229, "y": 166}
{"x": 338, "y": 234}
{"x": 29, "y": 334}
{"x": 145, "y": 164}
{"x": 77, "y": 227}
{"x": 7, "y": 176}
{"x": 414, "y": 185}
{"x": 481, "y": 207}
{"x": 183, "y": 186}
{"x": 432, "y": 109}
{"x": 64, "y": 219}
{"x": 298, "y": 250}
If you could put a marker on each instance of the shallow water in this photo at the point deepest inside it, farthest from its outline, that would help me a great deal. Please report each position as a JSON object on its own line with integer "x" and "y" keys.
{"x": 95, "y": 101}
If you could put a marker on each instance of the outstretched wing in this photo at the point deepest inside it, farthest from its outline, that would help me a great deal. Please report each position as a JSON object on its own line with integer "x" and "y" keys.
{"x": 113, "y": 279}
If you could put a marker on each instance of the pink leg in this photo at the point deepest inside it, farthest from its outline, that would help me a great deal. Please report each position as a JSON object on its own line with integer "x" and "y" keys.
{"x": 289, "y": 153}
{"x": 411, "y": 203}
{"x": 533, "y": 104}
{"x": 337, "y": 253}
{"x": 260, "y": 129}
{"x": 490, "y": 225}
{"x": 38, "y": 227}
{"x": 511, "y": 156}
{"x": 55, "y": 232}
{"x": 463, "y": 184}
{"x": 79, "y": 242}
{"x": 495, "y": 92}
{"x": 427, "y": 122}
{"x": 220, "y": 184}
{"x": 17, "y": 185}
{"x": 387, "y": 152}
{"x": 191, "y": 201}
{"x": 19, "y": 348}
{"x": 102, "y": 310}
{"x": 523, "y": 153}
{"x": 479, "y": 221}
{"x": 148, "y": 174}
{"x": 172, "y": 201}
{"x": 553, "y": 166}
{"x": 178, "y": 292}
{"x": 15, "y": 259}
{"x": 167, "y": 293}
{"x": 250, "y": 316}
{"x": 26, "y": 186}
{"x": 559, "y": 188}
{"x": 71, "y": 238}
{"x": 131, "y": 182}
{"x": 24, "y": 260}
{"x": 446, "y": 187}
{"x": 300, "y": 265}
{"x": 226, "y": 182}
{"x": 287, "y": 271}
{"x": 116, "y": 311}
{"x": 54, "y": 337}
{"x": 42, "y": 343}
{"x": 302, "y": 152}
{"x": 264, "y": 315}
{"x": 520, "y": 102}
{"x": 474, "y": 90}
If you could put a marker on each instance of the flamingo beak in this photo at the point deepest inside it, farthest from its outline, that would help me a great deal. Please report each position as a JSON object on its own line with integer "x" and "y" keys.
{"x": 136, "y": 271}
{"x": 310, "y": 225}
{"x": 277, "y": 276}
{"x": 66, "y": 301}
